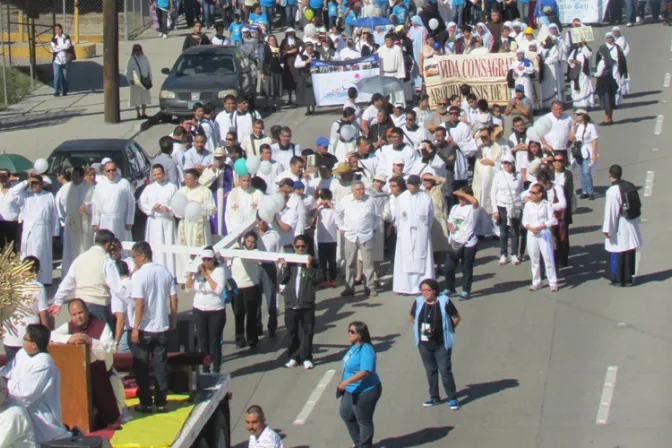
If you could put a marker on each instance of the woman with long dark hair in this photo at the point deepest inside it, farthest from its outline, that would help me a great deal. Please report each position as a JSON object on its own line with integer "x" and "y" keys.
{"x": 137, "y": 69}
{"x": 434, "y": 318}
{"x": 360, "y": 386}
{"x": 271, "y": 73}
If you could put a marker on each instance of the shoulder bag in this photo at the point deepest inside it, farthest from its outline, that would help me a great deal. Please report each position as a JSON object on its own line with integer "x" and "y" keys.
{"x": 576, "y": 146}
{"x": 146, "y": 81}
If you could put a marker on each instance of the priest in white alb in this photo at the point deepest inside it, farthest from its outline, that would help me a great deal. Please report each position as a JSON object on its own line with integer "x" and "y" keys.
{"x": 218, "y": 177}
{"x": 195, "y": 232}
{"x": 413, "y": 258}
{"x": 391, "y": 59}
{"x": 76, "y": 214}
{"x": 40, "y": 225}
{"x": 155, "y": 203}
{"x": 241, "y": 204}
{"x": 113, "y": 204}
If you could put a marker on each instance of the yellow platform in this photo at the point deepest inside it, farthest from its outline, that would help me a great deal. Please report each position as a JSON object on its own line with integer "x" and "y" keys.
{"x": 83, "y": 50}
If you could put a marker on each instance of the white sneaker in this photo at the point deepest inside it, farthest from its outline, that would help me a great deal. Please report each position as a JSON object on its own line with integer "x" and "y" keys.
{"x": 164, "y": 36}
{"x": 515, "y": 260}
{"x": 629, "y": 24}
{"x": 502, "y": 260}
{"x": 291, "y": 364}
{"x": 307, "y": 365}
{"x": 638, "y": 20}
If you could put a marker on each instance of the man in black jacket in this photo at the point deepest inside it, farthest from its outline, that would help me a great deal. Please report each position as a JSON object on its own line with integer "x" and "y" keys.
{"x": 300, "y": 283}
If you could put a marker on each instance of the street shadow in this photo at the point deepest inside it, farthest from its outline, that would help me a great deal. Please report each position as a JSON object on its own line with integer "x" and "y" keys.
{"x": 499, "y": 288}
{"x": 641, "y": 94}
{"x": 637, "y": 104}
{"x": 38, "y": 120}
{"x": 417, "y": 438}
{"x": 583, "y": 229}
{"x": 486, "y": 259}
{"x": 659, "y": 276}
{"x": 635, "y": 119}
{"x": 586, "y": 263}
{"x": 582, "y": 210}
{"x": 473, "y": 392}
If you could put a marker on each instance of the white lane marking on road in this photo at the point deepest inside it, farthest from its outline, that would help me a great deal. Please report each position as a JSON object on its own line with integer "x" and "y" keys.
{"x": 648, "y": 184}
{"x": 638, "y": 258}
{"x": 654, "y": 149}
{"x": 314, "y": 397}
{"x": 659, "y": 125}
{"x": 666, "y": 82}
{"x": 607, "y": 396}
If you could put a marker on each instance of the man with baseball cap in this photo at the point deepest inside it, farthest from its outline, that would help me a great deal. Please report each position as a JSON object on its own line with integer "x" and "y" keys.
{"x": 520, "y": 106}
{"x": 322, "y": 155}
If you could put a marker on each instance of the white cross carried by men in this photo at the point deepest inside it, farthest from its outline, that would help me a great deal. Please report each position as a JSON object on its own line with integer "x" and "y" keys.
{"x": 224, "y": 249}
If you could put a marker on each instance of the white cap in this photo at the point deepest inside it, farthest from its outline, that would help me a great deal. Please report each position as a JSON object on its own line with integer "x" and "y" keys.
{"x": 106, "y": 160}
{"x": 399, "y": 104}
{"x": 207, "y": 253}
{"x": 290, "y": 30}
{"x": 507, "y": 158}
{"x": 398, "y": 160}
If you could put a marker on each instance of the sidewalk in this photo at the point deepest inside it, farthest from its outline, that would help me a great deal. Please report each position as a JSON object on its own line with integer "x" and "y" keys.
{"x": 40, "y": 122}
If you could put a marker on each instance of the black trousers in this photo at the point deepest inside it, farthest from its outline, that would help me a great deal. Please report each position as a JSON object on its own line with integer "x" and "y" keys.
{"x": 437, "y": 361}
{"x": 622, "y": 266}
{"x": 209, "y": 328}
{"x": 245, "y": 312}
{"x": 326, "y": 253}
{"x": 300, "y": 348}
{"x": 269, "y": 280}
{"x": 155, "y": 344}
{"x": 468, "y": 255}
{"x": 10, "y": 232}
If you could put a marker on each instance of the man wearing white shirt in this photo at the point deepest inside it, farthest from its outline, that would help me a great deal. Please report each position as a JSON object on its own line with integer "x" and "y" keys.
{"x": 397, "y": 147}
{"x": 365, "y": 160}
{"x": 34, "y": 382}
{"x": 285, "y": 150}
{"x": 92, "y": 277}
{"x": 252, "y": 143}
{"x": 198, "y": 157}
{"x": 413, "y": 134}
{"x": 287, "y": 220}
{"x": 276, "y": 168}
{"x": 349, "y": 118}
{"x": 429, "y": 162}
{"x": 370, "y": 114}
{"x": 295, "y": 171}
{"x": 224, "y": 119}
{"x": 357, "y": 221}
{"x": 153, "y": 291}
{"x": 261, "y": 435}
{"x": 9, "y": 210}
{"x": 242, "y": 120}
{"x": 558, "y": 137}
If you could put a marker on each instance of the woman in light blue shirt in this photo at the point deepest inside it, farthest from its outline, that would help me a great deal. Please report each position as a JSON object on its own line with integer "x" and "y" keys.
{"x": 360, "y": 386}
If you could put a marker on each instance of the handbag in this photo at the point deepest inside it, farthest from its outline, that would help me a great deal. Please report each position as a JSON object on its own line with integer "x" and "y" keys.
{"x": 146, "y": 81}
{"x": 455, "y": 249}
{"x": 577, "y": 145}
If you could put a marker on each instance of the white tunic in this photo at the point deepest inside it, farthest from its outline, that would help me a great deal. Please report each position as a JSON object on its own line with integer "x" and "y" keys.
{"x": 17, "y": 428}
{"x": 113, "y": 207}
{"x": 160, "y": 227}
{"x": 77, "y": 230}
{"x": 392, "y": 62}
{"x": 583, "y": 96}
{"x": 240, "y": 206}
{"x": 40, "y": 225}
{"x": 553, "y": 84}
{"x": 413, "y": 258}
{"x": 522, "y": 76}
{"x": 35, "y": 383}
{"x": 387, "y": 154}
{"x": 196, "y": 232}
{"x": 623, "y": 233}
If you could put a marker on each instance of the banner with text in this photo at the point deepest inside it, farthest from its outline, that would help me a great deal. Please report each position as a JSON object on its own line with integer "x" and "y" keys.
{"x": 588, "y": 11}
{"x": 486, "y": 74}
{"x": 332, "y": 79}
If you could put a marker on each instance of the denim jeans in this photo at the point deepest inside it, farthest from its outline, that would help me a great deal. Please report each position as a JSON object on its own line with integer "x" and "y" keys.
{"x": 384, "y": 8}
{"x": 208, "y": 13}
{"x": 504, "y": 233}
{"x": 630, "y": 11}
{"x": 475, "y": 14}
{"x": 125, "y": 342}
{"x": 176, "y": 13}
{"x": 270, "y": 14}
{"x": 209, "y": 329}
{"x": 60, "y": 78}
{"x": 290, "y": 15}
{"x": 357, "y": 413}
{"x": 523, "y": 11}
{"x": 467, "y": 256}
{"x": 157, "y": 345}
{"x": 458, "y": 12}
{"x": 269, "y": 275}
{"x": 586, "y": 177}
{"x": 437, "y": 360}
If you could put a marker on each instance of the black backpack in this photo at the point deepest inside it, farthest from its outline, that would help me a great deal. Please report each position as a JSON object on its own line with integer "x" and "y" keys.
{"x": 631, "y": 205}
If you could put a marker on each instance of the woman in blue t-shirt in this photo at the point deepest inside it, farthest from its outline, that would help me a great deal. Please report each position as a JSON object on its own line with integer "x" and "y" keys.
{"x": 360, "y": 386}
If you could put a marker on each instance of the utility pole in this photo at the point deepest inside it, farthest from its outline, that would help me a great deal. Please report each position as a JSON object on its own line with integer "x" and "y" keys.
{"x": 111, "y": 61}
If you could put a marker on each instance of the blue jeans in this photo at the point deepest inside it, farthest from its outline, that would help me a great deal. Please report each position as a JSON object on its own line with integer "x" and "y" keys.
{"x": 630, "y": 11}
{"x": 458, "y": 12}
{"x": 60, "y": 78}
{"x": 155, "y": 344}
{"x": 175, "y": 14}
{"x": 475, "y": 14}
{"x": 348, "y": 30}
{"x": 270, "y": 13}
{"x": 290, "y": 15}
{"x": 208, "y": 13}
{"x": 102, "y": 313}
{"x": 437, "y": 361}
{"x": 124, "y": 341}
{"x": 356, "y": 411}
{"x": 586, "y": 177}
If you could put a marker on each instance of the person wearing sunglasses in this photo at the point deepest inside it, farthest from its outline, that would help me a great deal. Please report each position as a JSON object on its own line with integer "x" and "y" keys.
{"x": 300, "y": 283}
{"x": 113, "y": 204}
{"x": 360, "y": 387}
{"x": 438, "y": 117}
{"x": 538, "y": 218}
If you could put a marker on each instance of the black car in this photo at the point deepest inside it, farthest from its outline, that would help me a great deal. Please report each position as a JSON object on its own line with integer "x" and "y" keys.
{"x": 207, "y": 74}
{"x": 131, "y": 159}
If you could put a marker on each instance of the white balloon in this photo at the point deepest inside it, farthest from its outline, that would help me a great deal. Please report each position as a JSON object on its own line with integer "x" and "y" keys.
{"x": 433, "y": 24}
{"x": 267, "y": 209}
{"x": 532, "y": 134}
{"x": 41, "y": 166}
{"x": 179, "y": 203}
{"x": 370, "y": 10}
{"x": 265, "y": 167}
{"x": 543, "y": 126}
{"x": 193, "y": 211}
{"x": 279, "y": 201}
{"x": 309, "y": 30}
{"x": 347, "y": 132}
{"x": 253, "y": 164}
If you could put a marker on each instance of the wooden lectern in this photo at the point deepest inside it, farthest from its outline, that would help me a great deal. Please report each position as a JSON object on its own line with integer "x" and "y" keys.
{"x": 76, "y": 404}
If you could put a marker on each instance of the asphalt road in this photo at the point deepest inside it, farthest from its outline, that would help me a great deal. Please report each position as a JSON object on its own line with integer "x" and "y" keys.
{"x": 587, "y": 366}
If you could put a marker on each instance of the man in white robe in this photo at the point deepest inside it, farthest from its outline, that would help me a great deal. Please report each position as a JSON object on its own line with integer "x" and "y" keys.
{"x": 17, "y": 428}
{"x": 391, "y": 59}
{"x": 155, "y": 203}
{"x": 76, "y": 211}
{"x": 251, "y": 144}
{"x": 241, "y": 204}
{"x": 395, "y": 149}
{"x": 622, "y": 235}
{"x": 194, "y": 232}
{"x": 218, "y": 177}
{"x": 35, "y": 383}
{"x": 40, "y": 225}
{"x": 413, "y": 258}
{"x": 113, "y": 204}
